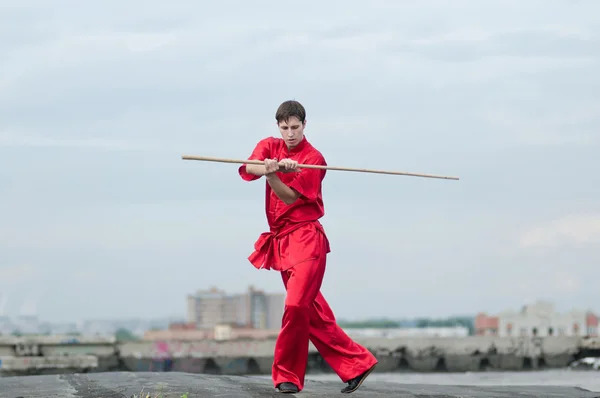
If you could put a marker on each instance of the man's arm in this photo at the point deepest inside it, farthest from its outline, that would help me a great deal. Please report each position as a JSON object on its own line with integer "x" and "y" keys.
{"x": 260, "y": 170}
{"x": 256, "y": 169}
{"x": 251, "y": 172}
{"x": 307, "y": 182}
{"x": 285, "y": 193}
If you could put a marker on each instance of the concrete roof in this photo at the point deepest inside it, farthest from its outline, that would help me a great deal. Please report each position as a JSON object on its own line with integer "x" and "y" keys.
{"x": 125, "y": 385}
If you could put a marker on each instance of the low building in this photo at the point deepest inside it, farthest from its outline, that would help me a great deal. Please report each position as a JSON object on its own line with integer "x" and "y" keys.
{"x": 538, "y": 319}
{"x": 219, "y": 332}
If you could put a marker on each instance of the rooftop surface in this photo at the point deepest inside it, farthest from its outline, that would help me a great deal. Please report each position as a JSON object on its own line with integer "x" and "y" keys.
{"x": 127, "y": 385}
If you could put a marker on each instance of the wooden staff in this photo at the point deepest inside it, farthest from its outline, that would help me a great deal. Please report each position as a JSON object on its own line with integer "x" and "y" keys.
{"x": 313, "y": 166}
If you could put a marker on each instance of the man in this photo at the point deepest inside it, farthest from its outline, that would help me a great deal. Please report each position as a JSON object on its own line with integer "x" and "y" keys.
{"x": 297, "y": 246}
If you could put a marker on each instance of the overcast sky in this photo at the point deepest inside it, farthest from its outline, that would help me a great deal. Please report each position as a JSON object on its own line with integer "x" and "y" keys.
{"x": 101, "y": 218}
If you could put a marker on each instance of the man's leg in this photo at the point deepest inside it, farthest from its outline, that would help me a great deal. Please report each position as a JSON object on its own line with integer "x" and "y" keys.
{"x": 302, "y": 284}
{"x": 348, "y": 359}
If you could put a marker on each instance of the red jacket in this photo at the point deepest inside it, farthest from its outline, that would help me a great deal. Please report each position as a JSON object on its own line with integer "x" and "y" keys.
{"x": 295, "y": 235}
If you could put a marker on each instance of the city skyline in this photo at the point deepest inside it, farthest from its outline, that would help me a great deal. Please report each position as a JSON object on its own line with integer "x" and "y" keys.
{"x": 183, "y": 315}
{"x": 539, "y": 317}
{"x": 102, "y": 218}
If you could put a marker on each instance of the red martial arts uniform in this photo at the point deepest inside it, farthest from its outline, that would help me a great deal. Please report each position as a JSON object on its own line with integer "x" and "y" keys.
{"x": 297, "y": 246}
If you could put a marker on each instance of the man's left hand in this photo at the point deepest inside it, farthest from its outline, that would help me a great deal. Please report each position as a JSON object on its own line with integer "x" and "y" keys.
{"x": 288, "y": 166}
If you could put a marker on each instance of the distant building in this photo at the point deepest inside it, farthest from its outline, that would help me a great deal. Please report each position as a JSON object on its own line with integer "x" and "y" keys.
{"x": 255, "y": 308}
{"x": 393, "y": 333}
{"x": 275, "y": 307}
{"x": 266, "y": 310}
{"x": 210, "y": 308}
{"x": 182, "y": 326}
{"x": 26, "y": 324}
{"x": 538, "y": 319}
{"x": 219, "y": 332}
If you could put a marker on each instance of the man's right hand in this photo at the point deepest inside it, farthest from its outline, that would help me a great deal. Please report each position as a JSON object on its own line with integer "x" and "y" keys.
{"x": 271, "y": 166}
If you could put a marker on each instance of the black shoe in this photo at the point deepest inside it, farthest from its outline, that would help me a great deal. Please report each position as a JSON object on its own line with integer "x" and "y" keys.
{"x": 288, "y": 388}
{"x": 353, "y": 384}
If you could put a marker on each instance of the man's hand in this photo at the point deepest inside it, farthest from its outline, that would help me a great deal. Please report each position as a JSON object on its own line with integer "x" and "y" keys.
{"x": 288, "y": 166}
{"x": 271, "y": 166}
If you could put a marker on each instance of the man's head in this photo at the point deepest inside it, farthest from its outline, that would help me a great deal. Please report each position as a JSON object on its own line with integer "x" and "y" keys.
{"x": 291, "y": 120}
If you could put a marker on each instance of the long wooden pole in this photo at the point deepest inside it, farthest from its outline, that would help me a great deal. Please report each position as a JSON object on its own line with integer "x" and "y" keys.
{"x": 312, "y": 166}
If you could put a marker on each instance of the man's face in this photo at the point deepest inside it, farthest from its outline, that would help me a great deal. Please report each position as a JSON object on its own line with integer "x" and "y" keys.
{"x": 292, "y": 131}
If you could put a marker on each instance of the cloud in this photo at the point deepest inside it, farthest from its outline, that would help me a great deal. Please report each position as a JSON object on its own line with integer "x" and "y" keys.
{"x": 522, "y": 45}
{"x": 553, "y": 283}
{"x": 25, "y": 140}
{"x": 571, "y": 126}
{"x": 98, "y": 101}
{"x": 15, "y": 274}
{"x": 137, "y": 67}
{"x": 579, "y": 229}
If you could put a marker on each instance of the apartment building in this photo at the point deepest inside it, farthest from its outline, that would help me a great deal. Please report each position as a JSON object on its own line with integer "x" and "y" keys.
{"x": 254, "y": 308}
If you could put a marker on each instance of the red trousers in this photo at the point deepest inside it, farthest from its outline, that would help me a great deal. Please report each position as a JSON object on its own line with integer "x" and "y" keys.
{"x": 307, "y": 316}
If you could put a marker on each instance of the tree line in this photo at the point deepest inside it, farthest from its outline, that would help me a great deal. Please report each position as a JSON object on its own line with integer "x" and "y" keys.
{"x": 454, "y": 321}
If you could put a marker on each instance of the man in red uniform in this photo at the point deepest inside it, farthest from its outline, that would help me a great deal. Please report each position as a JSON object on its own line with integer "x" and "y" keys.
{"x": 297, "y": 246}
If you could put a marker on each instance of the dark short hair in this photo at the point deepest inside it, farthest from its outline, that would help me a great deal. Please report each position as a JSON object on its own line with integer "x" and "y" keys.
{"x": 290, "y": 109}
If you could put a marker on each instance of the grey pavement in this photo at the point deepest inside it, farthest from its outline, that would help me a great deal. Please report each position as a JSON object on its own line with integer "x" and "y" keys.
{"x": 126, "y": 385}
